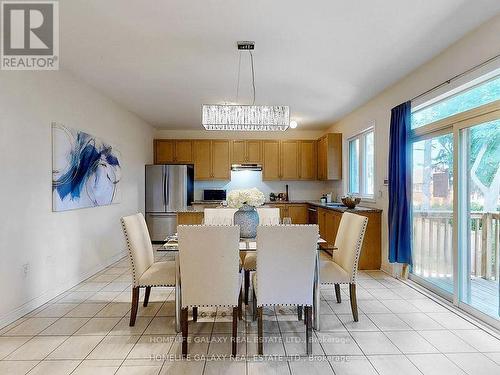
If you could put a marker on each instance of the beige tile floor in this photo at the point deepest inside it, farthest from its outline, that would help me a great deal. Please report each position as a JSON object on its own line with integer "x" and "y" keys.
{"x": 400, "y": 331}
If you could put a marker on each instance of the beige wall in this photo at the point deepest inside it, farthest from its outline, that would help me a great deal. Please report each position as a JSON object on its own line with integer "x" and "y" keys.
{"x": 60, "y": 248}
{"x": 475, "y": 48}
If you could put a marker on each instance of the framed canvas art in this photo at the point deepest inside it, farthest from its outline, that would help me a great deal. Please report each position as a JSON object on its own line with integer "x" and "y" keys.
{"x": 86, "y": 171}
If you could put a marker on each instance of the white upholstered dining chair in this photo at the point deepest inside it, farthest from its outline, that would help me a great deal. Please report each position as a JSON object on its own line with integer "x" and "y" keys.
{"x": 219, "y": 216}
{"x": 210, "y": 272}
{"x": 146, "y": 273}
{"x": 342, "y": 268}
{"x": 286, "y": 256}
{"x": 267, "y": 216}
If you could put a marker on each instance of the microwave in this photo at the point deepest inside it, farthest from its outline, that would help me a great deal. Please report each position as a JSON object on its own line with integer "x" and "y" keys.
{"x": 214, "y": 195}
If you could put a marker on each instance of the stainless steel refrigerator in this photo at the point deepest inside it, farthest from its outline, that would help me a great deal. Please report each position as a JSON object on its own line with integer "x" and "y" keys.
{"x": 169, "y": 188}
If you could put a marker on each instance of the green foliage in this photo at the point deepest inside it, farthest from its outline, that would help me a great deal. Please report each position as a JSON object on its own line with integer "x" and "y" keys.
{"x": 463, "y": 101}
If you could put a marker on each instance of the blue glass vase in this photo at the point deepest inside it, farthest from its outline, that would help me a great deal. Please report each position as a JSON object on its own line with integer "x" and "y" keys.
{"x": 248, "y": 220}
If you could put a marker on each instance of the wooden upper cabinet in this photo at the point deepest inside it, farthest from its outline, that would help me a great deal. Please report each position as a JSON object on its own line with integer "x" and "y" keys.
{"x": 183, "y": 151}
{"x": 271, "y": 160}
{"x": 308, "y": 160}
{"x": 248, "y": 151}
{"x": 221, "y": 163}
{"x": 254, "y": 151}
{"x": 212, "y": 160}
{"x": 163, "y": 151}
{"x": 173, "y": 151}
{"x": 238, "y": 152}
{"x": 281, "y": 160}
{"x": 289, "y": 160}
{"x": 330, "y": 157}
{"x": 202, "y": 160}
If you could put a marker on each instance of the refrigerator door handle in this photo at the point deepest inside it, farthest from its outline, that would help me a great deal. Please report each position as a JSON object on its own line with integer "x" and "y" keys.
{"x": 167, "y": 187}
{"x": 163, "y": 187}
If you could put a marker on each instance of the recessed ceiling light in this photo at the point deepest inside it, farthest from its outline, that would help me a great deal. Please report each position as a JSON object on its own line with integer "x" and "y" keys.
{"x": 293, "y": 124}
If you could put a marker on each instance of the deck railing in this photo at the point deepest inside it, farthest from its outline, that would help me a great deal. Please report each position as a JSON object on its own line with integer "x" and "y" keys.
{"x": 432, "y": 244}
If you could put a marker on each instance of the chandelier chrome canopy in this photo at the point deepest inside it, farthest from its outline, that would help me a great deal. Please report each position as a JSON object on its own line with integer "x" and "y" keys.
{"x": 245, "y": 117}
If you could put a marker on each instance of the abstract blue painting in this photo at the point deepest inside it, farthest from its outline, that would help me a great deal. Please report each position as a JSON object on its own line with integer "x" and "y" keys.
{"x": 86, "y": 171}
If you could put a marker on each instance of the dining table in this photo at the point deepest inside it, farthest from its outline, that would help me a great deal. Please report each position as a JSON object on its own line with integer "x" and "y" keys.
{"x": 248, "y": 245}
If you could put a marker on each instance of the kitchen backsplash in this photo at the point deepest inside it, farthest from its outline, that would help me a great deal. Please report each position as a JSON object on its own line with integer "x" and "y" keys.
{"x": 298, "y": 190}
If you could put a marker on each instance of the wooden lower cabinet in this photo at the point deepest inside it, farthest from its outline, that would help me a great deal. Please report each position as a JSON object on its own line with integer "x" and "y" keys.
{"x": 371, "y": 252}
{"x": 296, "y": 211}
{"x": 190, "y": 218}
{"x": 328, "y": 221}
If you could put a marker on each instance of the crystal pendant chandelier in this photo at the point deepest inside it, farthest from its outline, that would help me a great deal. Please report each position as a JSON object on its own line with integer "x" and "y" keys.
{"x": 245, "y": 117}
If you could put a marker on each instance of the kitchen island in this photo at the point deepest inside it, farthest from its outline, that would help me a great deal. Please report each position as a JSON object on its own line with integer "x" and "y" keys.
{"x": 327, "y": 216}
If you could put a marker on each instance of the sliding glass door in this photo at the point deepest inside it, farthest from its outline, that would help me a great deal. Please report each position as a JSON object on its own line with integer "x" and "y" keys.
{"x": 432, "y": 198}
{"x": 456, "y": 198}
{"x": 479, "y": 216}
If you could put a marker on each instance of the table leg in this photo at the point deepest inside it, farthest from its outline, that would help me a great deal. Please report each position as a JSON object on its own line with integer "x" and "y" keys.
{"x": 316, "y": 294}
{"x": 178, "y": 304}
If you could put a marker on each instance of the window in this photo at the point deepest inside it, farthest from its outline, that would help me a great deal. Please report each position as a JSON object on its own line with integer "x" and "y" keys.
{"x": 361, "y": 179}
{"x": 475, "y": 96}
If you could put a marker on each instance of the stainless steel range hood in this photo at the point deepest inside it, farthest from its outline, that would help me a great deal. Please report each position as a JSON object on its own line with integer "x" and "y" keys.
{"x": 246, "y": 167}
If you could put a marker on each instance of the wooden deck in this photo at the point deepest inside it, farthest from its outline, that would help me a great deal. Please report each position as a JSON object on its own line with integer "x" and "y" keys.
{"x": 484, "y": 293}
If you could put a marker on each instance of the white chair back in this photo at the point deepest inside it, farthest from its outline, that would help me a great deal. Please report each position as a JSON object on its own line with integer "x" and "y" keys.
{"x": 219, "y": 216}
{"x": 285, "y": 264}
{"x": 268, "y": 215}
{"x": 138, "y": 244}
{"x": 209, "y": 265}
{"x": 349, "y": 241}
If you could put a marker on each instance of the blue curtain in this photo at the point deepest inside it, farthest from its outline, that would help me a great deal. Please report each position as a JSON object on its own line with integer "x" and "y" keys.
{"x": 399, "y": 185}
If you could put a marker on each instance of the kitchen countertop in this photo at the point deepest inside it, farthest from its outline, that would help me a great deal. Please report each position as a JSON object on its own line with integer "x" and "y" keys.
{"x": 342, "y": 208}
{"x": 198, "y": 207}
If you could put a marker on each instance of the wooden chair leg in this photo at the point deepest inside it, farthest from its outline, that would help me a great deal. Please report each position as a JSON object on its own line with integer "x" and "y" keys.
{"x": 195, "y": 314}
{"x": 299, "y": 312}
{"x": 135, "y": 305}
{"x": 254, "y": 304}
{"x": 184, "y": 328}
{"x": 235, "y": 331}
{"x": 247, "y": 285}
{"x": 308, "y": 317}
{"x": 337, "y": 293}
{"x": 146, "y": 296}
{"x": 354, "y": 303}
{"x": 240, "y": 303}
{"x": 260, "y": 343}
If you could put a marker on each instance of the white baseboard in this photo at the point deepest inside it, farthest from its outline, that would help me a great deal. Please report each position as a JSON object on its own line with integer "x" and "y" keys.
{"x": 46, "y": 297}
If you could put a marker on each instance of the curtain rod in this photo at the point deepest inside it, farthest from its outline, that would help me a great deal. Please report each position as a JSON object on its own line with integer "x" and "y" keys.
{"x": 447, "y": 82}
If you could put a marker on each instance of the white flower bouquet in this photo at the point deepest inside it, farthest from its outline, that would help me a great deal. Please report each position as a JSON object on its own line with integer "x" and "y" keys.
{"x": 252, "y": 197}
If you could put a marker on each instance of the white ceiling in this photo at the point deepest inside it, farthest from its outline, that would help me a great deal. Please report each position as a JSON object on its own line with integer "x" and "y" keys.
{"x": 323, "y": 58}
